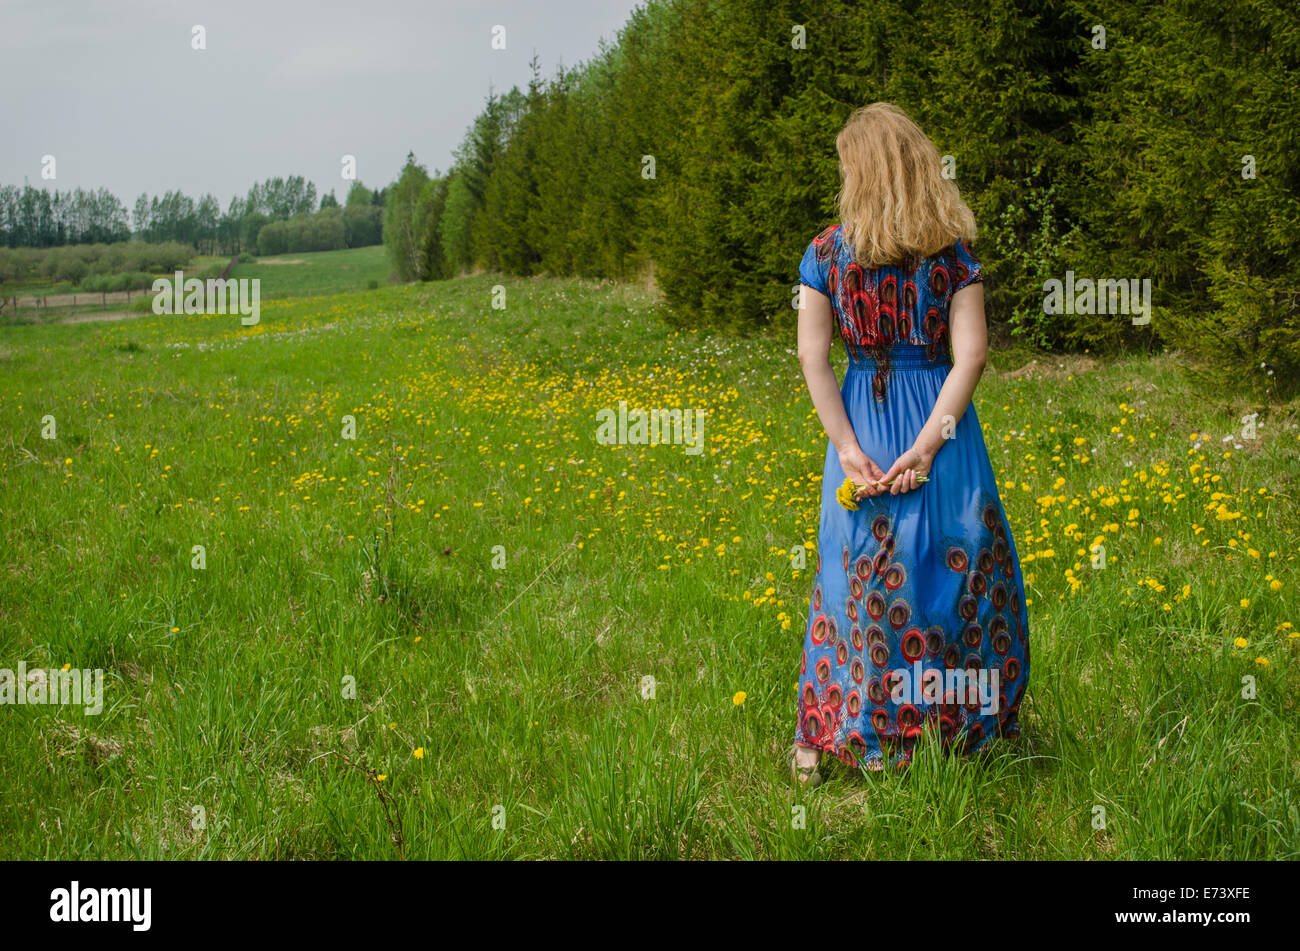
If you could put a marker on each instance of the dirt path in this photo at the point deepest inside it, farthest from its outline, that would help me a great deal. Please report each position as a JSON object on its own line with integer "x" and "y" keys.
{"x": 100, "y": 316}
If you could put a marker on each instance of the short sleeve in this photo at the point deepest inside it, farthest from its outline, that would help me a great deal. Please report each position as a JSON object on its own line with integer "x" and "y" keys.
{"x": 966, "y": 269}
{"x": 813, "y": 271}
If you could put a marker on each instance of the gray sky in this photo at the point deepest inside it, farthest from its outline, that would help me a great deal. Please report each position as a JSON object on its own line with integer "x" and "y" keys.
{"x": 114, "y": 91}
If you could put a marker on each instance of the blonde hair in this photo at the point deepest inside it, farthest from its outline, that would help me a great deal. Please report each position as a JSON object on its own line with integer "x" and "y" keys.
{"x": 894, "y": 200}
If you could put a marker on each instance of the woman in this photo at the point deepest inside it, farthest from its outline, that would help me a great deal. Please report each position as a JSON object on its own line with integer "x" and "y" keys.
{"x": 917, "y": 618}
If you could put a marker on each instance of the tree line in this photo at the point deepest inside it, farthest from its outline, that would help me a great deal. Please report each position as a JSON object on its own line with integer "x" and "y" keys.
{"x": 1107, "y": 139}
{"x": 39, "y": 218}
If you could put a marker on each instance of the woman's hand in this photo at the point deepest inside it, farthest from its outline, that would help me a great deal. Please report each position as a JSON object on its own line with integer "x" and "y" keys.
{"x": 907, "y": 470}
{"x": 860, "y": 467}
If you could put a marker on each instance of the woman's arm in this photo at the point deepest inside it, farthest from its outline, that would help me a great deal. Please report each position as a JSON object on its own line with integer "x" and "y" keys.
{"x": 970, "y": 349}
{"x": 815, "y": 328}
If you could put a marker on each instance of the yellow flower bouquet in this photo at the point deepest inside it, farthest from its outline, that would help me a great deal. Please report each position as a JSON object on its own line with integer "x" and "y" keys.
{"x": 847, "y": 494}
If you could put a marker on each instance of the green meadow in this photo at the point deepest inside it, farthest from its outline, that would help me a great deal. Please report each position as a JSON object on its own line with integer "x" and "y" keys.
{"x": 318, "y": 272}
{"x": 363, "y": 583}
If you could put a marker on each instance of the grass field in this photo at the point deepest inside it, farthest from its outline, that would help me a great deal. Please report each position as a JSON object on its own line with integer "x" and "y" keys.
{"x": 318, "y": 272}
{"x": 499, "y": 586}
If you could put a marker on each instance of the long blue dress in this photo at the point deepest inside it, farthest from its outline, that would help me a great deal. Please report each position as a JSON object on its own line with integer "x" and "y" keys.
{"x": 917, "y": 618}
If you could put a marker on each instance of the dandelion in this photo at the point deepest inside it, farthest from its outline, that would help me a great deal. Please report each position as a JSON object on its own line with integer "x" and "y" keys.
{"x": 1262, "y": 661}
{"x": 419, "y": 752}
{"x": 1240, "y": 642}
{"x": 739, "y": 699}
{"x": 846, "y": 495}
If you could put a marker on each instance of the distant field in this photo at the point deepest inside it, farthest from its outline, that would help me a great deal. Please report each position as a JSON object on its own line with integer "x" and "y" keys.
{"x": 62, "y": 302}
{"x": 287, "y": 275}
{"x": 319, "y": 272}
{"x": 60, "y": 289}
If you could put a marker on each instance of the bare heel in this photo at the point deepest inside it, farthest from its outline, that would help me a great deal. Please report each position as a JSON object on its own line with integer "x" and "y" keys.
{"x": 808, "y": 775}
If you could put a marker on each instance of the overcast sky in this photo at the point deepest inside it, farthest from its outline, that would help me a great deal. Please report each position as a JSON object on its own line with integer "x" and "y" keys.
{"x": 115, "y": 92}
